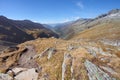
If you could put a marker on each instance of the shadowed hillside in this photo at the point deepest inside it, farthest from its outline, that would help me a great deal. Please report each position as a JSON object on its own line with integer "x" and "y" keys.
{"x": 20, "y": 31}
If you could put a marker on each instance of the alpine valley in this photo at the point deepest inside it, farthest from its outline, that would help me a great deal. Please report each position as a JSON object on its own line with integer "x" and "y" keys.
{"x": 84, "y": 49}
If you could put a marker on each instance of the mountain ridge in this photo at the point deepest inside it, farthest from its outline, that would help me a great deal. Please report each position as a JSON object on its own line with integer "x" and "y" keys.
{"x": 84, "y": 24}
{"x": 31, "y": 29}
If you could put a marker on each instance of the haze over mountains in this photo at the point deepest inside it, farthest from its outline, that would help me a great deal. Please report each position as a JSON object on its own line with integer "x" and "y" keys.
{"x": 85, "y": 49}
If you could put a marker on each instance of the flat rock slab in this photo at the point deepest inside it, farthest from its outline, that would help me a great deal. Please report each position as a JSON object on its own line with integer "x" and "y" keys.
{"x": 26, "y": 59}
{"x": 17, "y": 70}
{"x": 29, "y": 74}
{"x": 5, "y": 77}
{"x": 95, "y": 73}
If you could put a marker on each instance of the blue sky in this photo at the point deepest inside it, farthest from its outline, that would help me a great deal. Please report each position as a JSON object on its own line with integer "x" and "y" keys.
{"x": 55, "y": 11}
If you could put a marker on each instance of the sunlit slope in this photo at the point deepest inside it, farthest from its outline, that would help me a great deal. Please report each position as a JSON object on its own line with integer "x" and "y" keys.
{"x": 64, "y": 59}
{"x": 110, "y": 30}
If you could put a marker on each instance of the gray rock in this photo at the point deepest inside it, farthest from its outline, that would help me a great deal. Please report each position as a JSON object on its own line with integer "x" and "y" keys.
{"x": 5, "y": 77}
{"x": 95, "y": 73}
{"x": 67, "y": 62}
{"x": 47, "y": 52}
{"x": 51, "y": 52}
{"x": 95, "y": 51}
{"x": 111, "y": 42}
{"x": 26, "y": 59}
{"x": 44, "y": 53}
{"x": 70, "y": 47}
{"x": 18, "y": 70}
{"x": 92, "y": 51}
{"x": 29, "y": 74}
{"x": 108, "y": 69}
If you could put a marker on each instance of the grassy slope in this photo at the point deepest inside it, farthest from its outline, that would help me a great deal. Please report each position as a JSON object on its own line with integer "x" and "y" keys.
{"x": 109, "y": 30}
{"x": 53, "y": 66}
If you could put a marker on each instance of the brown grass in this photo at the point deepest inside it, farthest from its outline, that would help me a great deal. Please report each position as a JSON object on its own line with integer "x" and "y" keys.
{"x": 105, "y": 30}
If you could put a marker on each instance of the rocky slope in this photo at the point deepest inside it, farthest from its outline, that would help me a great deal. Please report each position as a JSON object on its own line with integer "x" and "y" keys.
{"x": 55, "y": 59}
{"x": 105, "y": 27}
{"x": 112, "y": 18}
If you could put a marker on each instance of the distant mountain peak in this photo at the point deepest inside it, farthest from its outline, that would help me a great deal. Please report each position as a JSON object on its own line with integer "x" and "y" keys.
{"x": 114, "y": 11}
{"x": 3, "y": 17}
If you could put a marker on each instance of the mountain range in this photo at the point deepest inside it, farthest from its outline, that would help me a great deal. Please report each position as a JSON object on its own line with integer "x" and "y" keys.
{"x": 13, "y": 32}
{"x": 87, "y": 49}
{"x": 18, "y": 31}
{"x": 111, "y": 18}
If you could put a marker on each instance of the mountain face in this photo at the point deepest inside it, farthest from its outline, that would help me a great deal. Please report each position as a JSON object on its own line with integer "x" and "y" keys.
{"x": 71, "y": 28}
{"x": 35, "y": 29}
{"x": 10, "y": 32}
{"x": 17, "y": 31}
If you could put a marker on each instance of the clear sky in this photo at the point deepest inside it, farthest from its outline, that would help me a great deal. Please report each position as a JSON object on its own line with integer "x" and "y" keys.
{"x": 55, "y": 11}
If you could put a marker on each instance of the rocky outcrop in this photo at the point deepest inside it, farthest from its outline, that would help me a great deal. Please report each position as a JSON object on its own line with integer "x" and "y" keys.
{"x": 51, "y": 52}
{"x": 20, "y": 64}
{"x": 66, "y": 67}
{"x": 47, "y": 52}
{"x": 5, "y": 77}
{"x": 70, "y": 47}
{"x": 111, "y": 42}
{"x": 95, "y": 73}
{"x": 73, "y": 47}
{"x": 29, "y": 74}
{"x": 10, "y": 59}
{"x": 44, "y": 53}
{"x": 108, "y": 69}
{"x": 26, "y": 59}
{"x": 15, "y": 71}
{"x": 95, "y": 51}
